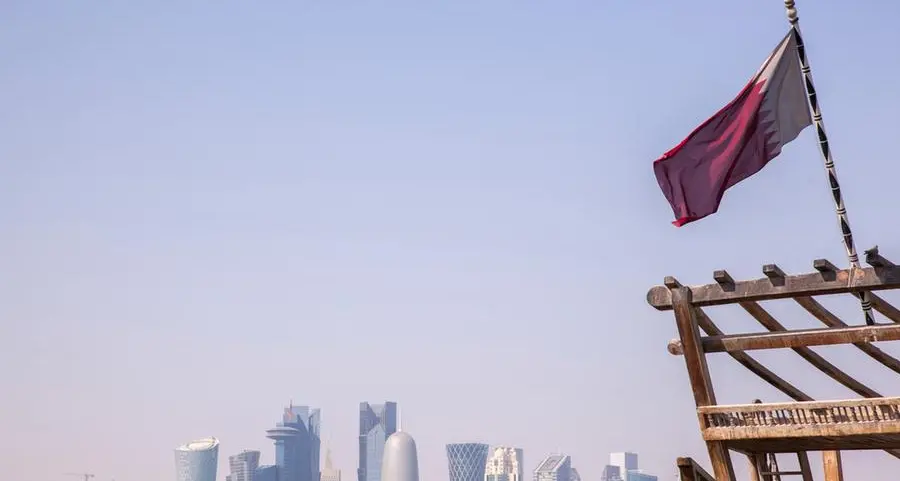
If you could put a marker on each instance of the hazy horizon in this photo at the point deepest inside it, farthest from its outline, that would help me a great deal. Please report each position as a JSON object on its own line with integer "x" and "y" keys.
{"x": 209, "y": 210}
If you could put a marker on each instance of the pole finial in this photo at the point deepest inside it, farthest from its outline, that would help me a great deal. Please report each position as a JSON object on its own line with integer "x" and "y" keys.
{"x": 791, "y": 10}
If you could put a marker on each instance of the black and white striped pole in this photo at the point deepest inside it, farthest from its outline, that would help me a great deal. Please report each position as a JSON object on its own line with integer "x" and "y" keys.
{"x": 840, "y": 208}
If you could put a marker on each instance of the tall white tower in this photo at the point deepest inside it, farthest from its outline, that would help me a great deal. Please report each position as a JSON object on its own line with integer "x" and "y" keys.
{"x": 400, "y": 461}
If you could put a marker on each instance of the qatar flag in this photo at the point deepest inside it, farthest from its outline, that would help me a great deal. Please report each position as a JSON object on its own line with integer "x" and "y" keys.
{"x": 739, "y": 140}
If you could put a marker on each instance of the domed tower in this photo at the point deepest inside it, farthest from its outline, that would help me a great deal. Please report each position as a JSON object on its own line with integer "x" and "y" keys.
{"x": 400, "y": 462}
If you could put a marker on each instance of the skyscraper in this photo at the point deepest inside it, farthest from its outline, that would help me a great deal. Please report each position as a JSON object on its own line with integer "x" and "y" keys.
{"x": 625, "y": 461}
{"x": 377, "y": 422}
{"x": 505, "y": 464}
{"x": 242, "y": 466}
{"x": 197, "y": 460}
{"x": 400, "y": 462}
{"x": 624, "y": 467}
{"x": 297, "y": 444}
{"x": 467, "y": 461}
{"x": 328, "y": 472}
{"x": 556, "y": 467}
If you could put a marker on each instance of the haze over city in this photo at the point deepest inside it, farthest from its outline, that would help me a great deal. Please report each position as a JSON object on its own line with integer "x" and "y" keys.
{"x": 211, "y": 212}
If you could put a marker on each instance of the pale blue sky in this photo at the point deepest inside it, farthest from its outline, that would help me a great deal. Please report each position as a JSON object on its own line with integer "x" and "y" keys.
{"x": 210, "y": 208}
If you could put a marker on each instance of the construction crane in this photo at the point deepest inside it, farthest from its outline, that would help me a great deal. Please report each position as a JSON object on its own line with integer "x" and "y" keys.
{"x": 86, "y": 476}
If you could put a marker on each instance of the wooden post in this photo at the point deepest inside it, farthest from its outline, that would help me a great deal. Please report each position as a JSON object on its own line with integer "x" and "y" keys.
{"x": 805, "y": 469}
{"x": 754, "y": 467}
{"x": 834, "y": 470}
{"x": 698, "y": 372}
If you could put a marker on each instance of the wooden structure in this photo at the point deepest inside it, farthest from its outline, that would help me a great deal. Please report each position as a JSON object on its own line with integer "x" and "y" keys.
{"x": 762, "y": 431}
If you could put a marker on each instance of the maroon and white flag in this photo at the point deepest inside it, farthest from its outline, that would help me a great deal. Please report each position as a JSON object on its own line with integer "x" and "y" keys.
{"x": 739, "y": 140}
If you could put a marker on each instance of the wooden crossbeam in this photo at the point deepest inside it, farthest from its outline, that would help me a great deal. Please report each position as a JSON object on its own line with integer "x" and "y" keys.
{"x": 793, "y": 339}
{"x": 828, "y": 280}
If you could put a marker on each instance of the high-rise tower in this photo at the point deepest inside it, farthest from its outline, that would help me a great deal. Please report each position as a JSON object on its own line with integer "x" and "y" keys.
{"x": 556, "y": 467}
{"x": 242, "y": 466}
{"x": 505, "y": 464}
{"x": 400, "y": 462}
{"x": 377, "y": 422}
{"x": 197, "y": 460}
{"x": 297, "y": 444}
{"x": 466, "y": 461}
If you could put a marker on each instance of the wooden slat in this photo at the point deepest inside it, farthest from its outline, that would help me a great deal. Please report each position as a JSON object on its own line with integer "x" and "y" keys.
{"x": 829, "y": 319}
{"x": 831, "y": 462}
{"x": 698, "y": 372}
{"x": 691, "y": 470}
{"x": 816, "y": 360}
{"x": 815, "y": 284}
{"x": 792, "y": 339}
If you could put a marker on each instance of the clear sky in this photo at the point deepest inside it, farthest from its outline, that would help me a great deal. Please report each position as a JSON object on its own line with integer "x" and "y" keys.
{"x": 208, "y": 209}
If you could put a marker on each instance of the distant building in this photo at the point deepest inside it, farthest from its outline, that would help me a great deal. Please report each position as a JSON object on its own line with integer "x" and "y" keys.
{"x": 197, "y": 460}
{"x": 625, "y": 462}
{"x": 611, "y": 473}
{"x": 624, "y": 467}
{"x": 242, "y": 466}
{"x": 328, "y": 472}
{"x": 505, "y": 464}
{"x": 401, "y": 461}
{"x": 266, "y": 473}
{"x": 467, "y": 461}
{"x": 556, "y": 467}
{"x": 638, "y": 475}
{"x": 377, "y": 422}
{"x": 297, "y": 444}
{"x": 575, "y": 475}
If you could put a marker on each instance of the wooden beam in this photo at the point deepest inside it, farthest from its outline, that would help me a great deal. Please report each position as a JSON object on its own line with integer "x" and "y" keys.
{"x": 834, "y": 470}
{"x": 874, "y": 259}
{"x": 812, "y": 357}
{"x": 805, "y": 469}
{"x": 698, "y": 372}
{"x": 793, "y": 339}
{"x": 831, "y": 320}
{"x": 691, "y": 470}
{"x": 824, "y": 282}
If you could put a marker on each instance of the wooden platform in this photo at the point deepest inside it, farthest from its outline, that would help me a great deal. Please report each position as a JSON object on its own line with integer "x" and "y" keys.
{"x": 805, "y": 426}
{"x": 763, "y": 431}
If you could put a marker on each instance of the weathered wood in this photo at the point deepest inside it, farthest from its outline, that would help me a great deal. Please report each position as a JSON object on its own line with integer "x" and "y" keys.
{"x": 833, "y": 467}
{"x": 805, "y": 469}
{"x": 724, "y": 279}
{"x": 695, "y": 360}
{"x": 753, "y": 461}
{"x": 691, "y": 470}
{"x": 816, "y": 360}
{"x": 831, "y": 320}
{"x": 792, "y": 339}
{"x": 698, "y": 372}
{"x": 710, "y": 328}
{"x": 874, "y": 259}
{"x": 774, "y": 274}
{"x": 843, "y": 281}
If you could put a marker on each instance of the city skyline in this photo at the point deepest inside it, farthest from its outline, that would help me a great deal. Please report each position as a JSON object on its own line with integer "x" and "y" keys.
{"x": 210, "y": 209}
{"x": 377, "y": 422}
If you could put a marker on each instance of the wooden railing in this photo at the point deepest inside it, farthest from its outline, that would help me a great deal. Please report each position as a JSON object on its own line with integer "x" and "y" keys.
{"x": 802, "y": 419}
{"x": 690, "y": 470}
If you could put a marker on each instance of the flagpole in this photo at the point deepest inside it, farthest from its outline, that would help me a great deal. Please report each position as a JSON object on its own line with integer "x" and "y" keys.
{"x": 824, "y": 148}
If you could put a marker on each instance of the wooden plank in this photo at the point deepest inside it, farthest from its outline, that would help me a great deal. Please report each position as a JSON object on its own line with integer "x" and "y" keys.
{"x": 841, "y": 281}
{"x": 834, "y": 470}
{"x": 803, "y": 431}
{"x": 691, "y": 470}
{"x": 793, "y": 339}
{"x": 695, "y": 360}
{"x": 805, "y": 469}
{"x": 754, "y": 366}
{"x": 698, "y": 372}
{"x": 834, "y": 404}
{"x": 831, "y": 320}
{"x": 816, "y": 360}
